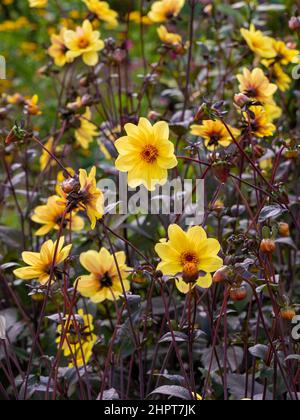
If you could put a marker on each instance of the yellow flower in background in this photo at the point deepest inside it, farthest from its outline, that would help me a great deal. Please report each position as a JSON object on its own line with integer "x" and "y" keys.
{"x": 261, "y": 122}
{"x": 10, "y": 25}
{"x": 164, "y": 10}
{"x": 103, "y": 11}
{"x": 38, "y": 3}
{"x": 266, "y": 163}
{"x": 87, "y": 130}
{"x": 274, "y": 111}
{"x": 136, "y": 17}
{"x": 84, "y": 42}
{"x": 45, "y": 160}
{"x": 51, "y": 215}
{"x": 168, "y": 37}
{"x": 91, "y": 198}
{"x": 104, "y": 282}
{"x": 31, "y": 106}
{"x": 190, "y": 255}
{"x": 285, "y": 55}
{"x": 282, "y": 80}
{"x": 146, "y": 153}
{"x": 40, "y": 263}
{"x": 78, "y": 338}
{"x": 214, "y": 134}
{"x": 256, "y": 85}
{"x": 58, "y": 50}
{"x": 259, "y": 43}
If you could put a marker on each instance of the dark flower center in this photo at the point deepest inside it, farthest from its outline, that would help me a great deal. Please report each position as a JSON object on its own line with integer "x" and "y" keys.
{"x": 106, "y": 281}
{"x": 214, "y": 139}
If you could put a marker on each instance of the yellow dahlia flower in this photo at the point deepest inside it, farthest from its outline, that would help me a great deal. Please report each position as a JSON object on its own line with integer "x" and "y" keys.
{"x": 214, "y": 134}
{"x": 45, "y": 159}
{"x": 259, "y": 43}
{"x": 79, "y": 338}
{"x": 84, "y": 42}
{"x": 104, "y": 281}
{"x": 38, "y": 3}
{"x": 188, "y": 255}
{"x": 136, "y": 17}
{"x": 164, "y": 10}
{"x": 31, "y": 105}
{"x": 261, "y": 122}
{"x": 285, "y": 55}
{"x": 256, "y": 85}
{"x": 40, "y": 263}
{"x": 282, "y": 80}
{"x": 58, "y": 50}
{"x": 51, "y": 215}
{"x": 91, "y": 198}
{"x": 146, "y": 154}
{"x": 87, "y": 131}
{"x": 168, "y": 37}
{"x": 103, "y": 12}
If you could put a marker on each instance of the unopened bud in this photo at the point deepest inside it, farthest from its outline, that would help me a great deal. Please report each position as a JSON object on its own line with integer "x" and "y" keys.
{"x": 294, "y": 23}
{"x": 268, "y": 246}
{"x": 284, "y": 229}
{"x": 241, "y": 99}
{"x": 70, "y": 185}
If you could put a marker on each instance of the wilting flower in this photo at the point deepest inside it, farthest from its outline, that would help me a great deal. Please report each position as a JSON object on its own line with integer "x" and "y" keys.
{"x": 31, "y": 105}
{"x": 260, "y": 122}
{"x": 282, "y": 80}
{"x": 58, "y": 50}
{"x": 214, "y": 134}
{"x": 84, "y": 42}
{"x": 146, "y": 154}
{"x": 191, "y": 256}
{"x": 52, "y": 214}
{"x": 104, "y": 280}
{"x": 40, "y": 263}
{"x": 168, "y": 37}
{"x": 256, "y": 85}
{"x": 79, "y": 338}
{"x": 91, "y": 198}
{"x": 164, "y": 10}
{"x": 103, "y": 11}
{"x": 38, "y": 3}
{"x": 87, "y": 130}
{"x": 259, "y": 43}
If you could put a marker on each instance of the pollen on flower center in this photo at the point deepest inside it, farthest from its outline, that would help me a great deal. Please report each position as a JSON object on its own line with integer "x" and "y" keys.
{"x": 83, "y": 43}
{"x": 189, "y": 258}
{"x": 149, "y": 154}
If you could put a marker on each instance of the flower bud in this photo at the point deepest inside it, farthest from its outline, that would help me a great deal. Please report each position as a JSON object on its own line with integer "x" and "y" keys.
{"x": 70, "y": 185}
{"x": 268, "y": 246}
{"x": 288, "y": 313}
{"x": 221, "y": 275}
{"x": 238, "y": 294}
{"x": 241, "y": 99}
{"x": 284, "y": 229}
{"x": 294, "y": 23}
